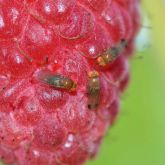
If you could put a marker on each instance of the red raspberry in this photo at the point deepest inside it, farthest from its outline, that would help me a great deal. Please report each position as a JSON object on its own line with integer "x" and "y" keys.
{"x": 63, "y": 65}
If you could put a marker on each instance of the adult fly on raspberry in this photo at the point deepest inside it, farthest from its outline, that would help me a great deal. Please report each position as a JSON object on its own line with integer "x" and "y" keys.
{"x": 93, "y": 89}
{"x": 57, "y": 80}
{"x": 111, "y": 54}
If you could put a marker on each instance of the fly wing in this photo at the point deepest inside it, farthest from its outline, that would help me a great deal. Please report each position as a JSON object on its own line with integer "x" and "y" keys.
{"x": 93, "y": 97}
{"x": 49, "y": 78}
{"x": 93, "y": 100}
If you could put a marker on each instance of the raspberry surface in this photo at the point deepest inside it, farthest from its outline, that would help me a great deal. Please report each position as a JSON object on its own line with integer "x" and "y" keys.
{"x": 43, "y": 125}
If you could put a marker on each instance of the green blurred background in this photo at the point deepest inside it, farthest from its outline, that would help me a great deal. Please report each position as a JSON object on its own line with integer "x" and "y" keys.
{"x": 138, "y": 138}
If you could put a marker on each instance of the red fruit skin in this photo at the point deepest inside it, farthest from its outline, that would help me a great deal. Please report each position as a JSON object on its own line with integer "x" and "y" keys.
{"x": 42, "y": 125}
